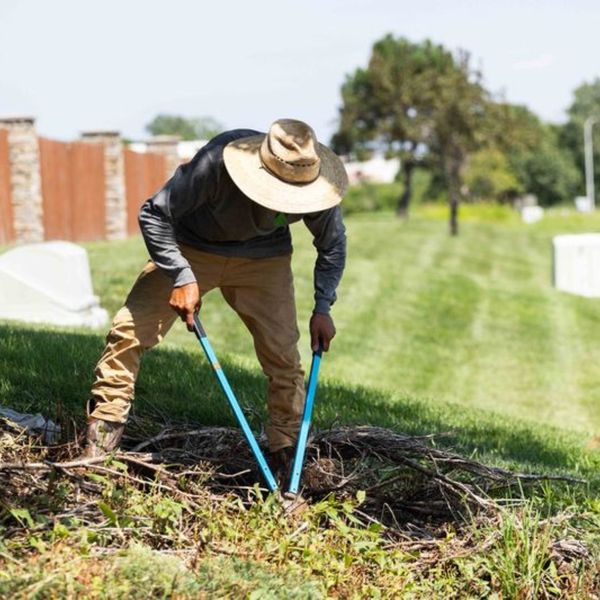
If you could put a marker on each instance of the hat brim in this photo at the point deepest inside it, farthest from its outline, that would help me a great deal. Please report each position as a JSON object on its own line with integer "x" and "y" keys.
{"x": 242, "y": 160}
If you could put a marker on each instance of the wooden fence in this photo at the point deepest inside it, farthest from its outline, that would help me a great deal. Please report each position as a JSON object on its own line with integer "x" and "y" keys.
{"x": 144, "y": 175}
{"x": 74, "y": 187}
{"x": 73, "y": 190}
{"x": 7, "y": 232}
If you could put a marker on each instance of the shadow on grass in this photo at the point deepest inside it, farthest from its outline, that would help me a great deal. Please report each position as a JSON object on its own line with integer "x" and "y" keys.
{"x": 51, "y": 372}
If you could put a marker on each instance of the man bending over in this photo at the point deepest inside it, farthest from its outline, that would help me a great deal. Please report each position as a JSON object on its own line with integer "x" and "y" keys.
{"x": 222, "y": 221}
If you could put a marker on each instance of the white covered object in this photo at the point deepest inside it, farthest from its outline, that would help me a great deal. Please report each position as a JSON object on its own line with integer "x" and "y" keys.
{"x": 49, "y": 283}
{"x": 583, "y": 204}
{"x": 532, "y": 214}
{"x": 378, "y": 169}
{"x": 577, "y": 264}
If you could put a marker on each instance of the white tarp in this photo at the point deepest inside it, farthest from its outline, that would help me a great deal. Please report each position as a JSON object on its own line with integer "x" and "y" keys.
{"x": 49, "y": 283}
{"x": 577, "y": 264}
{"x": 34, "y": 424}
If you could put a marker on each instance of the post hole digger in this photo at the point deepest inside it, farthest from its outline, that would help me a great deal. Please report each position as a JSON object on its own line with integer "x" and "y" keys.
{"x": 299, "y": 455}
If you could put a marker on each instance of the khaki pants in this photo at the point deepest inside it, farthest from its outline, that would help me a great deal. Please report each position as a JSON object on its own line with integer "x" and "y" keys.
{"x": 261, "y": 291}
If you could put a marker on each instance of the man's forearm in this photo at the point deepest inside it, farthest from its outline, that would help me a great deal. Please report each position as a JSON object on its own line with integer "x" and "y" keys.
{"x": 189, "y": 187}
{"x": 159, "y": 236}
{"x": 329, "y": 234}
{"x": 329, "y": 269}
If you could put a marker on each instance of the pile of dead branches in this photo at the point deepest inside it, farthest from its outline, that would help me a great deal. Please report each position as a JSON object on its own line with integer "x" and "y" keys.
{"x": 408, "y": 481}
{"x": 426, "y": 501}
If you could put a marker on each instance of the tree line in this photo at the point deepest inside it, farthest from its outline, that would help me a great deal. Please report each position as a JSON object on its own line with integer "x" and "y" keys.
{"x": 428, "y": 106}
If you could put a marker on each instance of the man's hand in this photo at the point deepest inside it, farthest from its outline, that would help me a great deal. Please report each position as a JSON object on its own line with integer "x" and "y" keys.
{"x": 322, "y": 331}
{"x": 185, "y": 301}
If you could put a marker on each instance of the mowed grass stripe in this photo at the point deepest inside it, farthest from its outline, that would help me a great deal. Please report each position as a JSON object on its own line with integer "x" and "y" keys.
{"x": 587, "y": 331}
{"x": 472, "y": 320}
{"x": 524, "y": 344}
{"x": 470, "y": 269}
{"x": 542, "y": 340}
{"x": 369, "y": 341}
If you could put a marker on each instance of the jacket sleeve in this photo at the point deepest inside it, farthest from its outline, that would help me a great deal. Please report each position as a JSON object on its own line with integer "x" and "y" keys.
{"x": 329, "y": 235}
{"x": 190, "y": 187}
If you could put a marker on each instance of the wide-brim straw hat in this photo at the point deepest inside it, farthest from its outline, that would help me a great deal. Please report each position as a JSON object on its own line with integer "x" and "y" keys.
{"x": 287, "y": 169}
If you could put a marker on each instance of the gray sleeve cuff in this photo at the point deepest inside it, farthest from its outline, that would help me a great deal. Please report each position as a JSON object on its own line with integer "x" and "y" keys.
{"x": 322, "y": 307}
{"x": 185, "y": 276}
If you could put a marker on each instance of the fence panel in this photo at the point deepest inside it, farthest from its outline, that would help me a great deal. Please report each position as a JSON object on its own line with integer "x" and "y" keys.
{"x": 145, "y": 173}
{"x": 73, "y": 190}
{"x": 55, "y": 167}
{"x": 88, "y": 207}
{"x": 7, "y": 231}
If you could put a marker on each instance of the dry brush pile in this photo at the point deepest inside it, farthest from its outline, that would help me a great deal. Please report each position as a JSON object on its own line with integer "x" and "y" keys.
{"x": 425, "y": 503}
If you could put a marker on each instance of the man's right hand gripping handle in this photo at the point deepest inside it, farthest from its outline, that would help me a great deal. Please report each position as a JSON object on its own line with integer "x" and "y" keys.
{"x": 185, "y": 301}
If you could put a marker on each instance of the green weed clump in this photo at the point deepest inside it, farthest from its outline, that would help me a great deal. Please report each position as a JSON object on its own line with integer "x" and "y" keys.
{"x": 229, "y": 548}
{"x": 127, "y": 528}
{"x": 140, "y": 572}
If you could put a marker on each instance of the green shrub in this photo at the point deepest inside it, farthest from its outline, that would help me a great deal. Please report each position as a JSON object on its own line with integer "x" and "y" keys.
{"x": 489, "y": 176}
{"x": 367, "y": 197}
{"x": 376, "y": 197}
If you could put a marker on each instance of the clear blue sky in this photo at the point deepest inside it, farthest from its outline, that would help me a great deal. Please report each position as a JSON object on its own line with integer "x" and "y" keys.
{"x": 89, "y": 64}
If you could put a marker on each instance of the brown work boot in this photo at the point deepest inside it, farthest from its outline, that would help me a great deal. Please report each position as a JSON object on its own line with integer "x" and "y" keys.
{"x": 281, "y": 462}
{"x": 102, "y": 437}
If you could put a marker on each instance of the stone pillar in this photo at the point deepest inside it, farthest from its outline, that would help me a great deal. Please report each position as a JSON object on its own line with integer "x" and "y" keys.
{"x": 114, "y": 170}
{"x": 25, "y": 178}
{"x": 167, "y": 146}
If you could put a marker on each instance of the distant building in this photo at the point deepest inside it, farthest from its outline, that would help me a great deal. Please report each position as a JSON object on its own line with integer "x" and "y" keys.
{"x": 186, "y": 149}
{"x": 375, "y": 170}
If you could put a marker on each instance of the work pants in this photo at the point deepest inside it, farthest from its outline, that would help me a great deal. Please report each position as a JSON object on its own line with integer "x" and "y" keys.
{"x": 261, "y": 291}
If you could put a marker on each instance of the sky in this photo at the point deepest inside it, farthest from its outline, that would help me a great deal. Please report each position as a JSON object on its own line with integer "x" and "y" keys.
{"x": 80, "y": 65}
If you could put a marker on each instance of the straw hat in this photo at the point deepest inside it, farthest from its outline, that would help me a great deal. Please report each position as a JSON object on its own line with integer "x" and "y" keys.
{"x": 287, "y": 170}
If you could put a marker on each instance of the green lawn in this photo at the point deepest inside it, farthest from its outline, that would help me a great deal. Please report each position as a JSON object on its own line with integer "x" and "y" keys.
{"x": 472, "y": 320}
{"x": 434, "y": 334}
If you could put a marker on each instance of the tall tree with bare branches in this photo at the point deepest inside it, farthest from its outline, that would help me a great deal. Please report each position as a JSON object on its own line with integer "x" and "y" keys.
{"x": 419, "y": 102}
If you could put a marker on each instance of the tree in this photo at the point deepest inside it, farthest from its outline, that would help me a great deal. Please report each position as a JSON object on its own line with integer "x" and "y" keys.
{"x": 490, "y": 176}
{"x": 586, "y": 103}
{"x": 416, "y": 101}
{"x": 388, "y": 106}
{"x": 540, "y": 162}
{"x": 548, "y": 172}
{"x": 202, "y": 128}
{"x": 458, "y": 128}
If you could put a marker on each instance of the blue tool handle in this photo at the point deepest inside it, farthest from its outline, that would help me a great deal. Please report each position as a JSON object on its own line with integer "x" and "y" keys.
{"x": 305, "y": 425}
{"x": 235, "y": 406}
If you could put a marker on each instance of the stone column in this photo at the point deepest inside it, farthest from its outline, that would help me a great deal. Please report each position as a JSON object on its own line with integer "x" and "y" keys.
{"x": 167, "y": 146}
{"x": 25, "y": 178}
{"x": 114, "y": 169}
